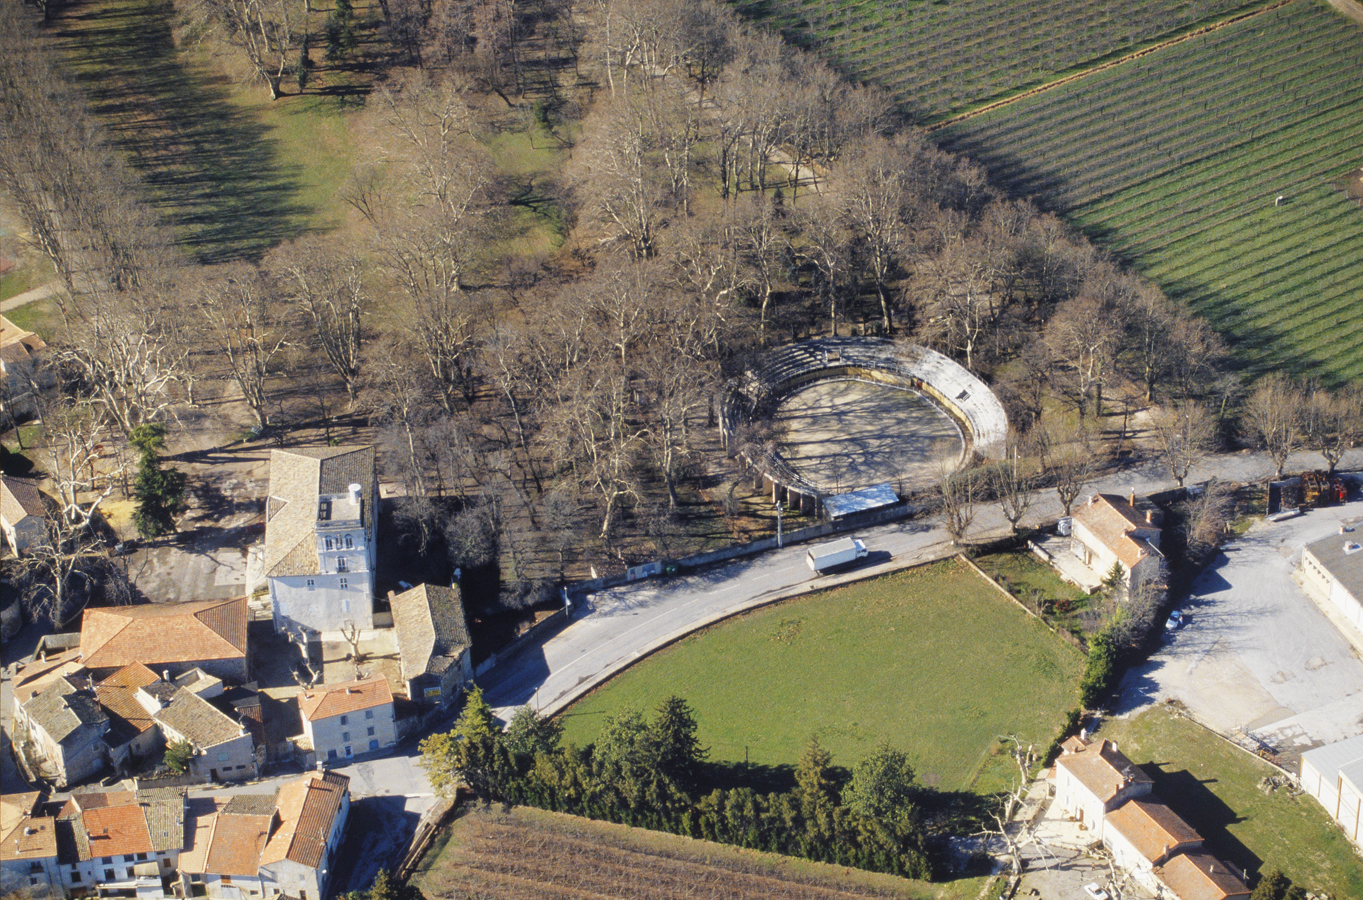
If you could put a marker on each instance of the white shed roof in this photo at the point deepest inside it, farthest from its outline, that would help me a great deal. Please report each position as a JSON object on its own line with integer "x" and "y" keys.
{"x": 874, "y": 497}
{"x": 1334, "y": 759}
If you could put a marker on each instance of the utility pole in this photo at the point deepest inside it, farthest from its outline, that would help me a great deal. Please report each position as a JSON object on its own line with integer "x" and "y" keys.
{"x": 779, "y": 507}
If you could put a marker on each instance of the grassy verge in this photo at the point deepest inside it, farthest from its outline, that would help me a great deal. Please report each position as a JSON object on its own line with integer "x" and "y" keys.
{"x": 501, "y": 855}
{"x": 1213, "y": 786}
{"x": 932, "y": 660}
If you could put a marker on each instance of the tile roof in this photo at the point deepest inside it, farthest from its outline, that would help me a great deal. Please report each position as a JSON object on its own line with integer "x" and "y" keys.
{"x": 236, "y": 843}
{"x": 158, "y": 633}
{"x": 19, "y": 497}
{"x": 251, "y": 805}
{"x": 164, "y": 810}
{"x": 1331, "y": 760}
{"x": 1102, "y": 769}
{"x": 431, "y": 629}
{"x": 1111, "y": 519}
{"x": 31, "y": 838}
{"x": 335, "y": 699}
{"x": 33, "y": 677}
{"x": 118, "y": 696}
{"x": 298, "y": 477}
{"x": 1201, "y": 876}
{"x": 115, "y": 830}
{"x": 201, "y": 723}
{"x": 61, "y": 709}
{"x": 307, "y": 812}
{"x": 16, "y": 807}
{"x": 17, "y": 344}
{"x": 1152, "y": 828}
{"x": 201, "y": 814}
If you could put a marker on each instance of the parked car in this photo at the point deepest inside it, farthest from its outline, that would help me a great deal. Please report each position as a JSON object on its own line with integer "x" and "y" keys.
{"x": 1174, "y": 622}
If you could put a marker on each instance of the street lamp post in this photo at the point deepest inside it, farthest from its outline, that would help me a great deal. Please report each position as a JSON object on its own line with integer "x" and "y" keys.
{"x": 779, "y": 507}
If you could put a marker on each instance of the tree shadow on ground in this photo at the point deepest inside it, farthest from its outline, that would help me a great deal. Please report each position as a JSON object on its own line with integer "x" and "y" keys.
{"x": 213, "y": 172}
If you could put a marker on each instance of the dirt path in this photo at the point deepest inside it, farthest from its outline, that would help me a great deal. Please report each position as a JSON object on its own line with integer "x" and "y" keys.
{"x": 1068, "y": 79}
{"x": 1351, "y": 8}
{"x": 42, "y": 292}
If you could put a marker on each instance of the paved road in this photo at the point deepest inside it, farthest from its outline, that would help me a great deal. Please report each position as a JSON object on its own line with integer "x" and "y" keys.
{"x": 1258, "y": 655}
{"x": 613, "y": 628}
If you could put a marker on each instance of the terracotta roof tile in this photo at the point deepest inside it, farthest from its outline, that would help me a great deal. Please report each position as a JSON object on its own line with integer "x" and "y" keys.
{"x": 1111, "y": 519}
{"x": 31, "y": 838}
{"x": 115, "y": 830}
{"x": 16, "y": 807}
{"x": 236, "y": 844}
{"x": 34, "y": 676}
{"x": 201, "y": 814}
{"x": 335, "y": 699}
{"x": 1102, "y": 769}
{"x": 307, "y": 812}
{"x": 159, "y": 633}
{"x": 118, "y": 695}
{"x": 1201, "y": 876}
{"x": 1152, "y": 828}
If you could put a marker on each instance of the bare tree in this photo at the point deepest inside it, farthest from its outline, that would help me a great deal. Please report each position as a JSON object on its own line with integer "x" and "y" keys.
{"x": 238, "y": 318}
{"x": 1273, "y": 416}
{"x": 266, "y": 32}
{"x": 1208, "y": 514}
{"x": 956, "y": 502}
{"x": 1012, "y": 482}
{"x": 1072, "y": 463}
{"x": 328, "y": 283}
{"x": 1185, "y": 434}
{"x": 1333, "y": 424}
{"x": 872, "y": 185}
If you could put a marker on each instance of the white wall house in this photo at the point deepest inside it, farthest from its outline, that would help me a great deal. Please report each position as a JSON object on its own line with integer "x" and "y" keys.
{"x": 1333, "y": 774}
{"x": 23, "y": 517}
{"x": 1110, "y": 531}
{"x": 1092, "y": 779}
{"x": 1333, "y": 568}
{"x": 343, "y": 721}
{"x": 320, "y": 551}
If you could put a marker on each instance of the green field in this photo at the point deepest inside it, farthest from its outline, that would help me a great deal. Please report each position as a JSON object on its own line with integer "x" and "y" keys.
{"x": 933, "y": 659}
{"x": 1174, "y": 162}
{"x": 1214, "y": 788}
{"x": 937, "y": 57}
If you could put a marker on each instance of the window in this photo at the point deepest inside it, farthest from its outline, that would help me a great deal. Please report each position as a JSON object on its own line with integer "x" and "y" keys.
{"x": 108, "y": 874}
{"x": 349, "y": 753}
{"x": 328, "y": 543}
{"x": 345, "y": 735}
{"x": 340, "y": 564}
{"x": 310, "y": 584}
{"x": 345, "y": 601}
{"x": 227, "y": 879}
{"x": 373, "y": 745}
{"x": 107, "y": 860}
{"x": 345, "y": 720}
{"x": 369, "y": 732}
{"x": 141, "y": 857}
{"x": 369, "y": 714}
{"x": 35, "y": 866}
{"x": 345, "y": 583}
{"x": 331, "y": 754}
{"x": 75, "y": 875}
{"x": 349, "y": 544}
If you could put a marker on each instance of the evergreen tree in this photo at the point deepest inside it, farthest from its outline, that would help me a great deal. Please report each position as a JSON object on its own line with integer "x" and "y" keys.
{"x": 159, "y": 493}
{"x": 676, "y": 749}
{"x": 883, "y": 787}
{"x": 178, "y": 756}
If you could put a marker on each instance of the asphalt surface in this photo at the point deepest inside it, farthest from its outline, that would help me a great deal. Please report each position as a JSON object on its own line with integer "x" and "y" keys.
{"x": 612, "y": 629}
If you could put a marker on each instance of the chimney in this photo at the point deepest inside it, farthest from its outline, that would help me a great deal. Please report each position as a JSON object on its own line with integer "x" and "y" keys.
{"x": 354, "y": 494}
{"x": 1133, "y": 497}
{"x": 1150, "y": 517}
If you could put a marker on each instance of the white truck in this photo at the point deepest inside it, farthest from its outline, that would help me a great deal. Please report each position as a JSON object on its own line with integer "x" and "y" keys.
{"x": 835, "y": 553}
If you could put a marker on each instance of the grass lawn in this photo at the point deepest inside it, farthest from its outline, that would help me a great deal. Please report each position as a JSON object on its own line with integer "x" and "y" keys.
{"x": 1212, "y": 785}
{"x": 931, "y": 659}
{"x": 40, "y": 317}
{"x": 530, "y": 853}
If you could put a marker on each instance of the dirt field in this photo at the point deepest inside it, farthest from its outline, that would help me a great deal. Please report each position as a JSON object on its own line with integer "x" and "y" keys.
{"x": 844, "y": 434}
{"x": 529, "y": 853}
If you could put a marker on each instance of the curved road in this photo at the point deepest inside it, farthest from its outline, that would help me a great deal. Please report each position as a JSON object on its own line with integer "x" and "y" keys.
{"x": 614, "y": 628}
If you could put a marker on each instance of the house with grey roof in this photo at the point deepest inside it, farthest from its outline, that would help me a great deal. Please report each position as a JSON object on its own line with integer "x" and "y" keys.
{"x": 223, "y": 747}
{"x": 23, "y": 515}
{"x": 319, "y": 554}
{"x": 65, "y": 729}
{"x": 120, "y": 841}
{"x": 1332, "y": 568}
{"x": 433, "y": 642}
{"x": 1333, "y": 774}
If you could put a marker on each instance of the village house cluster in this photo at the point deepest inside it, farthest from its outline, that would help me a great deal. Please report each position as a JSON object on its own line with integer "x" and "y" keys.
{"x": 107, "y": 701}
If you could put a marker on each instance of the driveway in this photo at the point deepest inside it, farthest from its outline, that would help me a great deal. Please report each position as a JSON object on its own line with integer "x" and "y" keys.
{"x": 1259, "y": 656}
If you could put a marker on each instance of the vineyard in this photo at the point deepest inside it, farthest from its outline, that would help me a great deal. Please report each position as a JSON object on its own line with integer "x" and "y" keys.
{"x": 528, "y": 853}
{"x": 1215, "y": 167}
{"x": 938, "y": 57}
